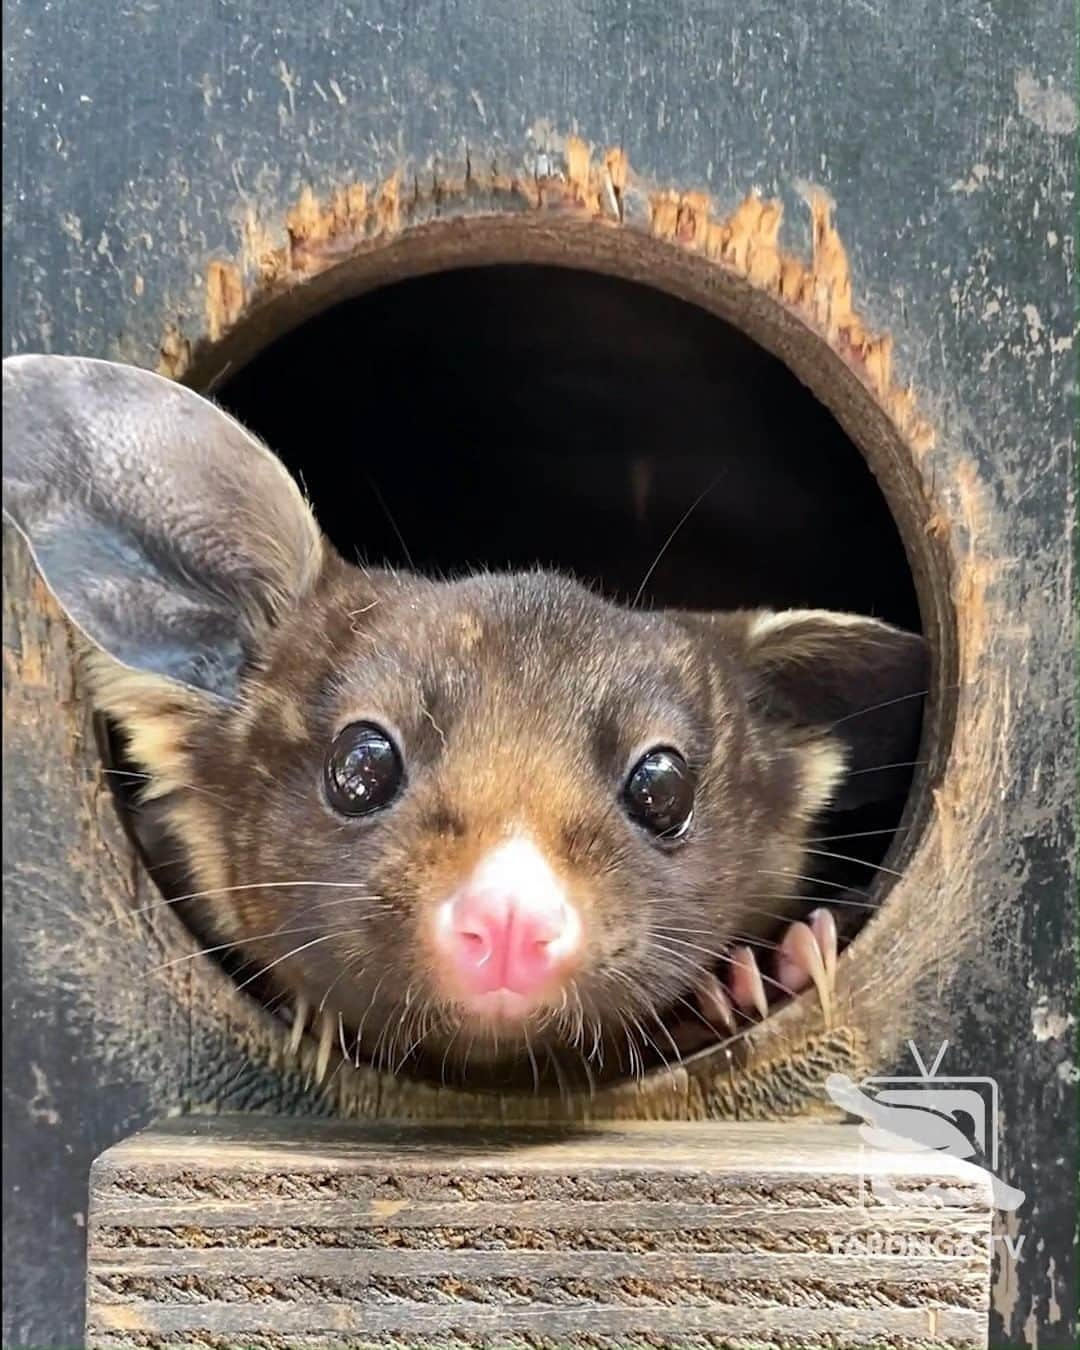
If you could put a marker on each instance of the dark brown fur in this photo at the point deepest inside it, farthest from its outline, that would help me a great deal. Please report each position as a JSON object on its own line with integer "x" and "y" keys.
{"x": 519, "y": 700}
{"x": 520, "y": 703}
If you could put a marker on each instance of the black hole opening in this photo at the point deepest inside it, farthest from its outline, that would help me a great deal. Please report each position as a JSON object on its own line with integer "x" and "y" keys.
{"x": 508, "y": 415}
{"x": 504, "y": 416}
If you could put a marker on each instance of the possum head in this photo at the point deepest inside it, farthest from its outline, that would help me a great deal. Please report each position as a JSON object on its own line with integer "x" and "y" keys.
{"x": 497, "y": 819}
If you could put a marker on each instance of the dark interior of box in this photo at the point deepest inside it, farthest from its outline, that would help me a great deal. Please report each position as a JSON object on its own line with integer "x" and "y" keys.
{"x": 504, "y": 416}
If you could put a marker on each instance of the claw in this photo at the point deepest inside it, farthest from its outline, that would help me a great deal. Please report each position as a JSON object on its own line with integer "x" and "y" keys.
{"x": 747, "y": 989}
{"x": 327, "y": 1029}
{"x": 823, "y": 926}
{"x": 296, "y": 1031}
{"x": 714, "y": 1003}
{"x": 807, "y": 955}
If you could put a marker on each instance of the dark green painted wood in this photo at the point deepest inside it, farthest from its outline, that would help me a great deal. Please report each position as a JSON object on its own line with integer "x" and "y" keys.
{"x": 135, "y": 136}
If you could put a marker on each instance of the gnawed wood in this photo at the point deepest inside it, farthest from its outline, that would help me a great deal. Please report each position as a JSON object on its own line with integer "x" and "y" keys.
{"x": 248, "y": 1232}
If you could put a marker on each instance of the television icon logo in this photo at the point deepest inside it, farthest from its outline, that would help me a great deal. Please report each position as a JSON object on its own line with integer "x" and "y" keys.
{"x": 925, "y": 1112}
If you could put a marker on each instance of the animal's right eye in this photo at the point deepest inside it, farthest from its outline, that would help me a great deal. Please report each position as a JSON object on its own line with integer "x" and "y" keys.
{"x": 659, "y": 794}
{"x": 364, "y": 772}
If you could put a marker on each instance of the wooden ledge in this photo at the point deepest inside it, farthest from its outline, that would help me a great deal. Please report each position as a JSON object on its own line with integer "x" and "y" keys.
{"x": 256, "y": 1232}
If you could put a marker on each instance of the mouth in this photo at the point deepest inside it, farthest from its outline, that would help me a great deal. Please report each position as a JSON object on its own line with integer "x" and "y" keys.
{"x": 746, "y": 982}
{"x": 743, "y": 986}
{"x": 498, "y": 1008}
{"x": 496, "y": 1040}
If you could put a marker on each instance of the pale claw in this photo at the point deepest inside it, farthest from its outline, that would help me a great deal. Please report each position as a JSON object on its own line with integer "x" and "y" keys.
{"x": 807, "y": 954}
{"x": 823, "y": 926}
{"x": 296, "y": 1032}
{"x": 326, "y": 1041}
{"x": 747, "y": 989}
{"x": 714, "y": 1003}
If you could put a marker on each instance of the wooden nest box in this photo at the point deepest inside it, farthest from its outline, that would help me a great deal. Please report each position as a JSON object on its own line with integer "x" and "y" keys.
{"x": 766, "y": 243}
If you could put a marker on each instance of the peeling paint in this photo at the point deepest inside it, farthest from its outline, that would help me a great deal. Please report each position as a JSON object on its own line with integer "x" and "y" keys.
{"x": 224, "y": 298}
{"x": 174, "y": 353}
{"x": 41, "y": 1106}
{"x": 1053, "y": 1307}
{"x": 1051, "y": 109}
{"x": 1049, "y": 1025}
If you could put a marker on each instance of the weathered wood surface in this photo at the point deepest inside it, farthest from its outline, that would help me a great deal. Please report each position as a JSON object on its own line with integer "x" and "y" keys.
{"x": 229, "y": 1231}
{"x": 154, "y": 147}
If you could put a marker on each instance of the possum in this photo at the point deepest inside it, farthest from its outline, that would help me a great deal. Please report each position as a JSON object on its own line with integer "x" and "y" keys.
{"x": 491, "y": 827}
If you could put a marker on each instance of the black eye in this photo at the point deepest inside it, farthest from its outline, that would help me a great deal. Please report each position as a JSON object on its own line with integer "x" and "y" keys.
{"x": 659, "y": 794}
{"x": 363, "y": 770}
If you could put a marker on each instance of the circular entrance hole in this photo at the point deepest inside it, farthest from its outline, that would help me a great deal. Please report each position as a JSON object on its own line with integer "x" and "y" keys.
{"x": 508, "y": 415}
{"x": 623, "y": 418}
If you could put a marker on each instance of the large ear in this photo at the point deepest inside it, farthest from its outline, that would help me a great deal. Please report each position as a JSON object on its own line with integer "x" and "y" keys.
{"x": 854, "y": 680}
{"x": 170, "y": 537}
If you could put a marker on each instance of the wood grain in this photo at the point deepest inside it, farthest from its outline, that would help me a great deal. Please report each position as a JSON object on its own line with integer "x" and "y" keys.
{"x": 280, "y": 1233}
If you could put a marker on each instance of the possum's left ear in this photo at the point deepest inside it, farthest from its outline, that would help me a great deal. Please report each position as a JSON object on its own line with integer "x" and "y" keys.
{"x": 170, "y": 537}
{"x": 841, "y": 679}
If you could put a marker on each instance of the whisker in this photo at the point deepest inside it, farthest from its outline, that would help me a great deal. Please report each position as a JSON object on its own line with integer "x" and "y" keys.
{"x": 390, "y": 517}
{"x": 748, "y": 940}
{"x": 632, "y": 1052}
{"x": 446, "y": 1053}
{"x": 767, "y": 914}
{"x": 888, "y": 703}
{"x": 246, "y": 886}
{"x": 389, "y": 1029}
{"x": 579, "y": 1035}
{"x": 532, "y": 1061}
{"x": 326, "y": 937}
{"x": 671, "y": 537}
{"x": 667, "y": 928}
{"x": 378, "y": 900}
{"x": 663, "y": 1027}
{"x": 648, "y": 1040}
{"x": 682, "y": 960}
{"x": 418, "y": 1041}
{"x": 711, "y": 932}
{"x": 843, "y": 857}
{"x": 880, "y": 768}
{"x": 723, "y": 1033}
{"x": 272, "y": 1005}
{"x": 814, "y": 881}
{"x": 329, "y": 990}
{"x": 236, "y": 942}
{"x": 149, "y": 778}
{"x": 730, "y": 960}
{"x": 345, "y": 1059}
{"x": 858, "y": 834}
{"x": 597, "y": 1050}
{"x": 828, "y": 900}
{"x": 465, "y": 1060}
{"x": 564, "y": 1092}
{"x": 363, "y": 1019}
{"x": 588, "y": 1072}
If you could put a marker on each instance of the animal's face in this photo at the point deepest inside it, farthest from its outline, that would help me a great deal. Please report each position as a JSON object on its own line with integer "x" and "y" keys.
{"x": 528, "y": 757}
{"x": 492, "y": 819}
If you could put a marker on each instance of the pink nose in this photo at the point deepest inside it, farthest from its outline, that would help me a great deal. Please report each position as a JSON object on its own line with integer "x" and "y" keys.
{"x": 509, "y": 927}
